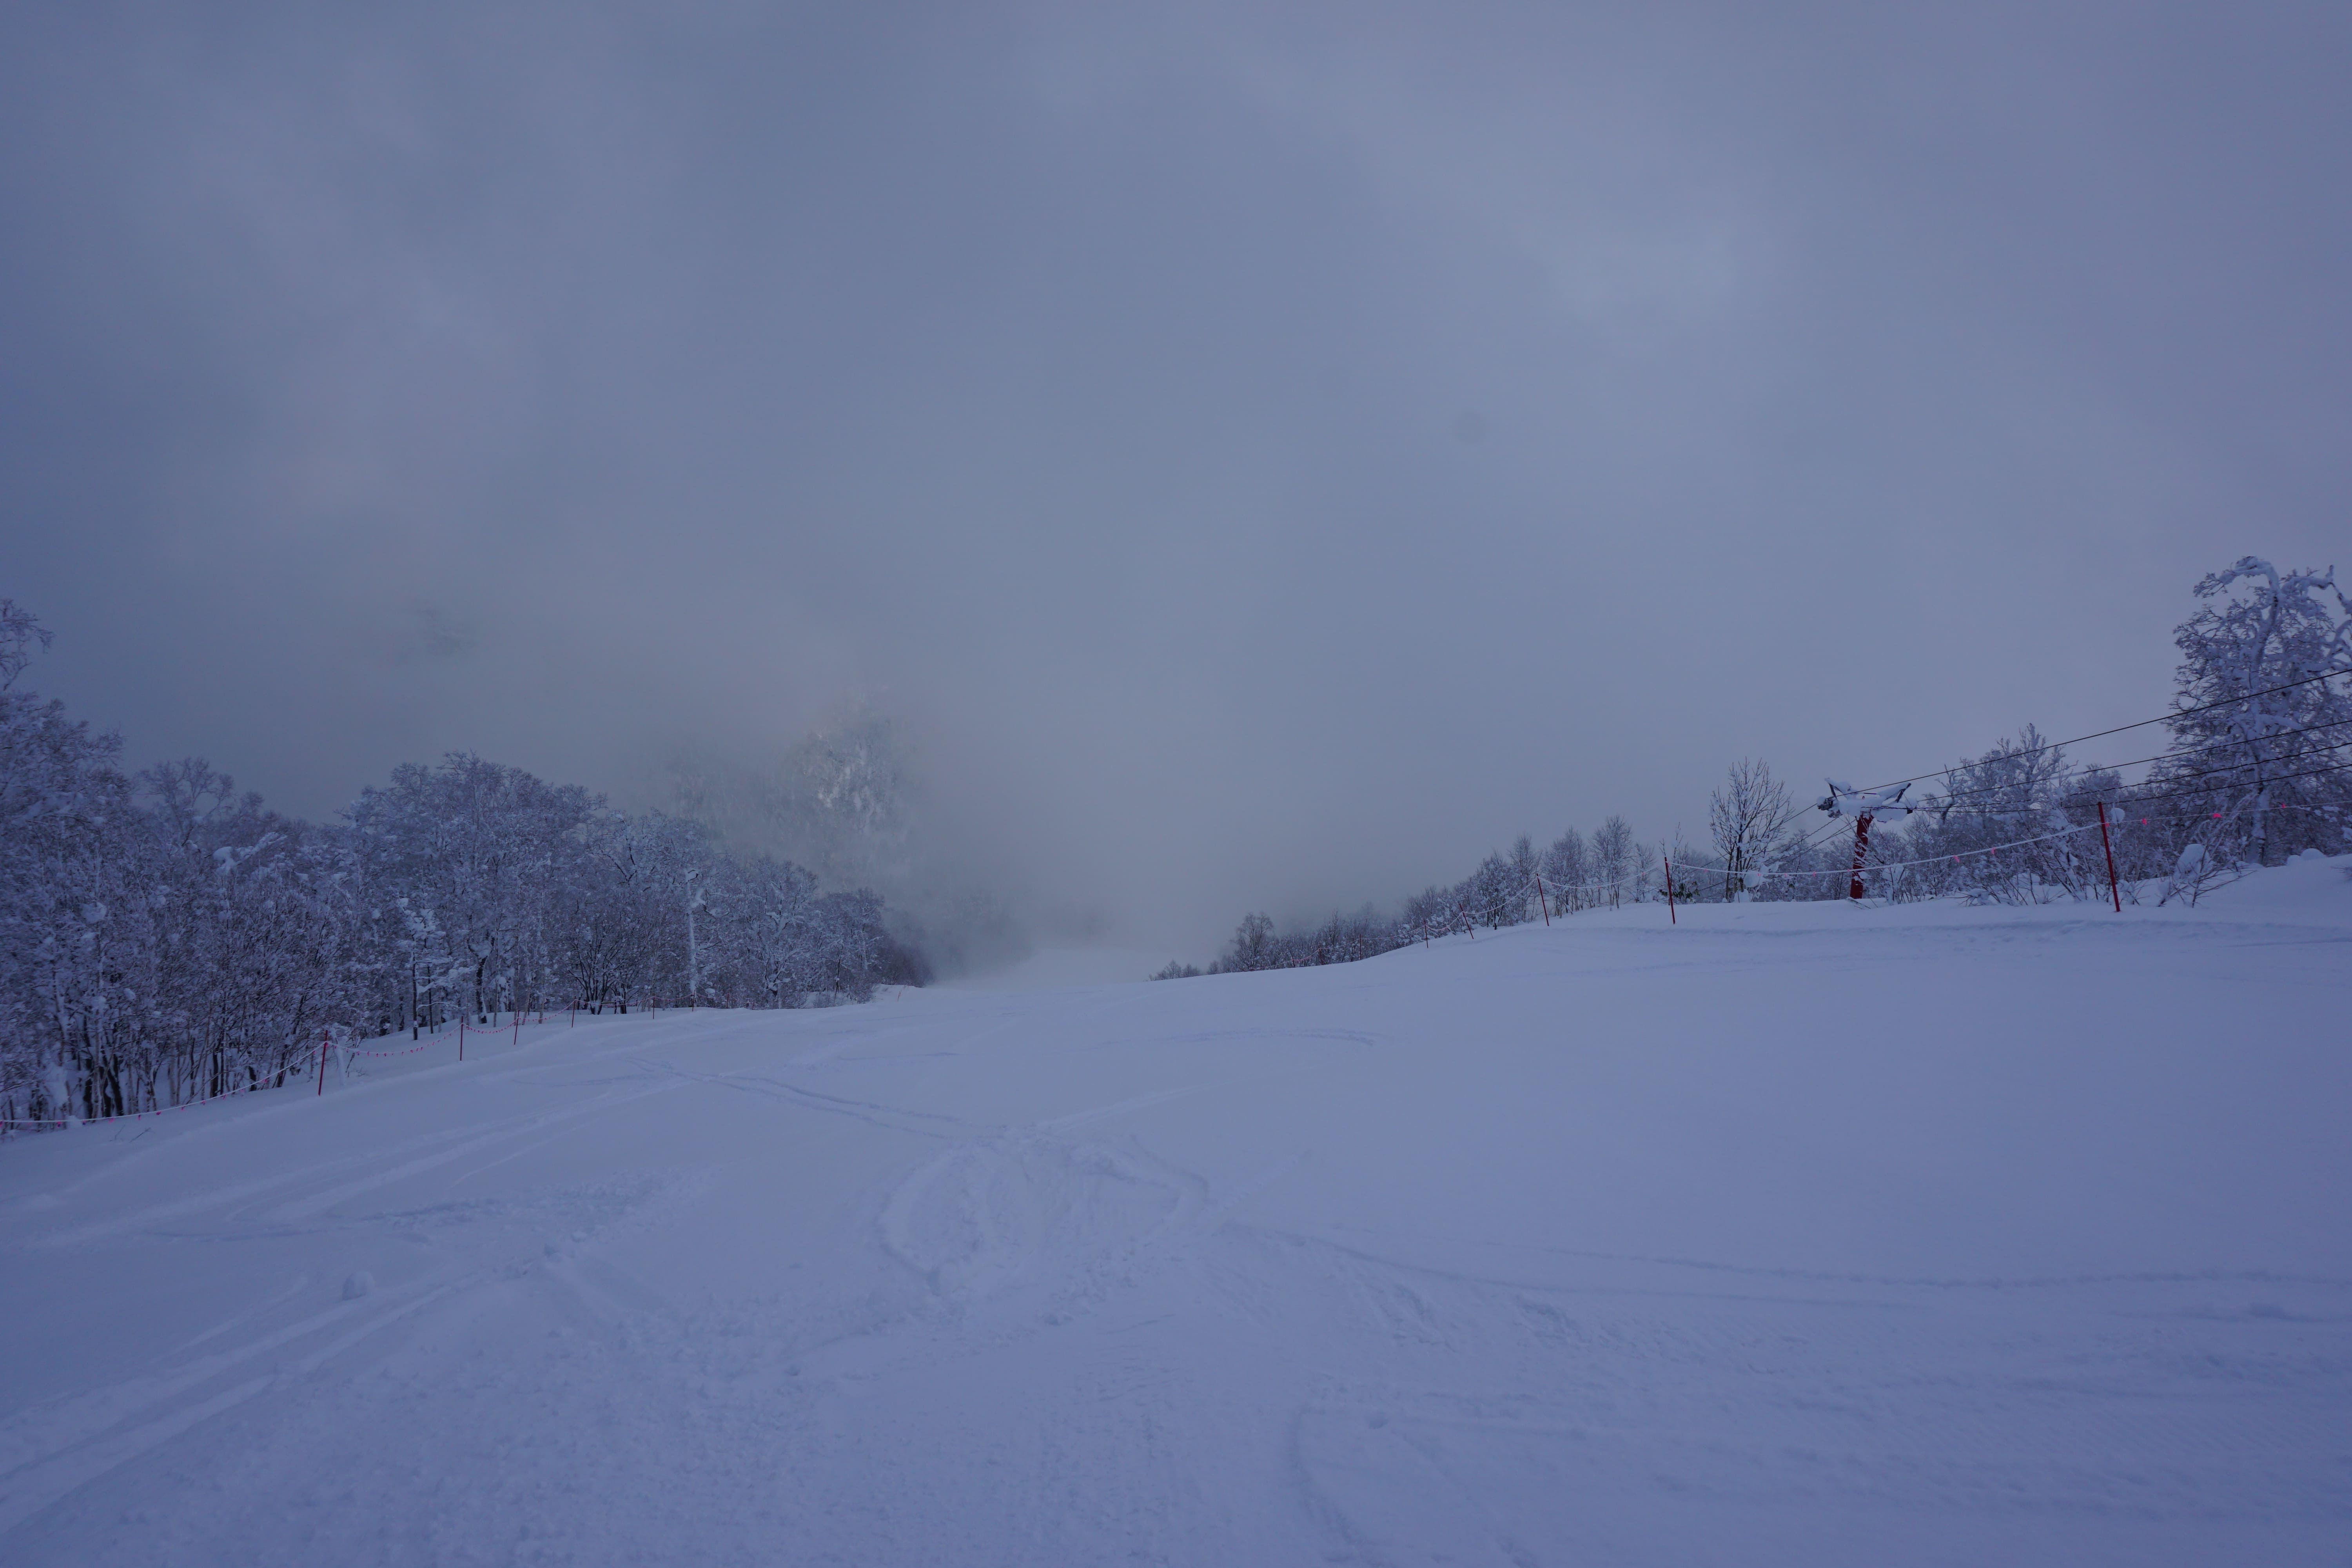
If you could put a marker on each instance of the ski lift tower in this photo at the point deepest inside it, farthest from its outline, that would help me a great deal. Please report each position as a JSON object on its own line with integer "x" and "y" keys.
{"x": 1865, "y": 806}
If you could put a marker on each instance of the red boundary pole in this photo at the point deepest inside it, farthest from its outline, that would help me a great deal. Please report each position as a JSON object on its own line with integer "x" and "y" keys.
{"x": 1540, "y": 903}
{"x": 1672, "y": 919}
{"x": 323, "y": 1061}
{"x": 2108, "y": 844}
{"x": 461, "y": 1037}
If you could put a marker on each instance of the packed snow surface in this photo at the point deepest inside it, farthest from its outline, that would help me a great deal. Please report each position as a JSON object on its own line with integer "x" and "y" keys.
{"x": 1783, "y": 1235}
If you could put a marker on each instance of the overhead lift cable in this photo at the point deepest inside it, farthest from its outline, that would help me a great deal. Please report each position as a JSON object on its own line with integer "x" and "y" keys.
{"x": 2141, "y": 725}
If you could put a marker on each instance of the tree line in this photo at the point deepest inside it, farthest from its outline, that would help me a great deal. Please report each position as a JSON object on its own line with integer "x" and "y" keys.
{"x": 2257, "y": 768}
{"x": 165, "y": 937}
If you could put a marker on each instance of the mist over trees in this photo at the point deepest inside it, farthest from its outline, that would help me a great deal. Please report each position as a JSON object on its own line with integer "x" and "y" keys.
{"x": 2259, "y": 768}
{"x": 848, "y": 802}
{"x": 165, "y": 937}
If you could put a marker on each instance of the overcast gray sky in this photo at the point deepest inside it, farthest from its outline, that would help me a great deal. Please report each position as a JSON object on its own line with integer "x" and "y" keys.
{"x": 1264, "y": 455}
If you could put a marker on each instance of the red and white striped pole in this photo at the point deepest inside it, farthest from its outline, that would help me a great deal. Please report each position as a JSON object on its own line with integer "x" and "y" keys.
{"x": 1861, "y": 848}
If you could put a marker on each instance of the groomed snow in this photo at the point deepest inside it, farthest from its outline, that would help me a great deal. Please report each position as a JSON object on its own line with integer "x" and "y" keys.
{"x": 1785, "y": 1234}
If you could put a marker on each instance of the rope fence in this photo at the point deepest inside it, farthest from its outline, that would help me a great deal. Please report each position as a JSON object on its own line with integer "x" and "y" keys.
{"x": 57, "y": 1122}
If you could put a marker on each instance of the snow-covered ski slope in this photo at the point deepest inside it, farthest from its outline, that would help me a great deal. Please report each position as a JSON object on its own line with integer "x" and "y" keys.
{"x": 1788, "y": 1234}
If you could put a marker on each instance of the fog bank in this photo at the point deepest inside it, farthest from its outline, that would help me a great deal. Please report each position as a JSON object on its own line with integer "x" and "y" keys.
{"x": 1249, "y": 461}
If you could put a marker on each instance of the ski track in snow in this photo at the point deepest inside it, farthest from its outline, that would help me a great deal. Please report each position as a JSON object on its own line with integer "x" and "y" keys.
{"x": 1606, "y": 1243}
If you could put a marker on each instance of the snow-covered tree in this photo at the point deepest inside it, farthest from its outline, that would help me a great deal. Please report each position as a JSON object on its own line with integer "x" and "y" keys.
{"x": 1747, "y": 815}
{"x": 2264, "y": 706}
{"x": 1617, "y": 860}
{"x": 1495, "y": 894}
{"x": 1567, "y": 869}
{"x": 477, "y": 849}
{"x": 21, "y": 633}
{"x": 71, "y": 981}
{"x": 1996, "y": 830}
{"x": 1430, "y": 914}
{"x": 166, "y": 937}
